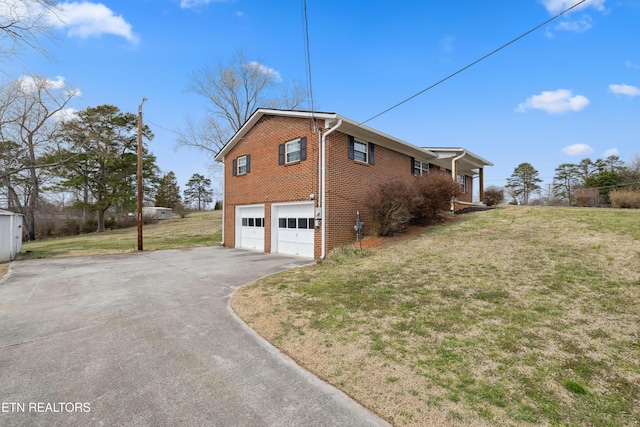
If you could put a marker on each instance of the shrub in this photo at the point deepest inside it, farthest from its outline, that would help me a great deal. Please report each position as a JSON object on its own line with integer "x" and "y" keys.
{"x": 390, "y": 206}
{"x": 68, "y": 227}
{"x": 433, "y": 194}
{"x": 627, "y": 199}
{"x": 585, "y": 196}
{"x": 493, "y": 195}
{"x": 149, "y": 218}
{"x": 180, "y": 209}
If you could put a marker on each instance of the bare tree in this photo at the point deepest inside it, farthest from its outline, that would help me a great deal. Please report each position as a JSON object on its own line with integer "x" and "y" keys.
{"x": 28, "y": 110}
{"x": 23, "y": 24}
{"x": 631, "y": 173}
{"x": 234, "y": 90}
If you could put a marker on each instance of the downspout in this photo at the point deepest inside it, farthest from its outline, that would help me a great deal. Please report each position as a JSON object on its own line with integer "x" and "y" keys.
{"x": 224, "y": 201}
{"x": 323, "y": 190}
{"x": 454, "y": 173}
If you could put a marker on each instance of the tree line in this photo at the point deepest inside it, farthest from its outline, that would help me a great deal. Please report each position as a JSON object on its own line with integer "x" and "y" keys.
{"x": 89, "y": 158}
{"x": 53, "y": 163}
{"x": 586, "y": 183}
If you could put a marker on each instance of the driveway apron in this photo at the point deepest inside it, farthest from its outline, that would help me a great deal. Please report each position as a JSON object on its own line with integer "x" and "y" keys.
{"x": 148, "y": 339}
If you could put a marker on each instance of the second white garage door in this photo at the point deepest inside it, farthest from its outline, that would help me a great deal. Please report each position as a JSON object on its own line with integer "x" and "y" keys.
{"x": 295, "y": 229}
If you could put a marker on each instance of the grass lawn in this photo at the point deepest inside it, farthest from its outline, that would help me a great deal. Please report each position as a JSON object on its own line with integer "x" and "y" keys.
{"x": 196, "y": 229}
{"x": 515, "y": 316}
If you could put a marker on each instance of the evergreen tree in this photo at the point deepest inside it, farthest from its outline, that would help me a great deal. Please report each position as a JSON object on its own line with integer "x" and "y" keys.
{"x": 168, "y": 194}
{"x": 198, "y": 191}
{"x": 103, "y": 159}
{"x": 523, "y": 181}
{"x": 565, "y": 181}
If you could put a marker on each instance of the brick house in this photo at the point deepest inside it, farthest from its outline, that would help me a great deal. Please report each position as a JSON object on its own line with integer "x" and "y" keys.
{"x": 294, "y": 180}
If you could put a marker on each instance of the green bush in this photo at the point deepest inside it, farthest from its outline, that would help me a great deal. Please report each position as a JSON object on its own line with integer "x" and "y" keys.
{"x": 493, "y": 195}
{"x": 433, "y": 194}
{"x": 626, "y": 199}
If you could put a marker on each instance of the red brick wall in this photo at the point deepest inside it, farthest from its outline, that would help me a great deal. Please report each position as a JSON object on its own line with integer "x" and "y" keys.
{"x": 268, "y": 182}
{"x": 348, "y": 183}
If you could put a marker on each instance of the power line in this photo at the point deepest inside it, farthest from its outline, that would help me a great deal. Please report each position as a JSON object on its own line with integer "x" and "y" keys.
{"x": 164, "y": 128}
{"x": 474, "y": 62}
{"x": 307, "y": 54}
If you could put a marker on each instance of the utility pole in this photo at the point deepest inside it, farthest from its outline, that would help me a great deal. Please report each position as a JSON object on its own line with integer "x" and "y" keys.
{"x": 140, "y": 188}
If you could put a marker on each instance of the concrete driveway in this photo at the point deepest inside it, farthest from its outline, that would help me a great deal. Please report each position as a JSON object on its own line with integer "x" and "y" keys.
{"x": 149, "y": 339}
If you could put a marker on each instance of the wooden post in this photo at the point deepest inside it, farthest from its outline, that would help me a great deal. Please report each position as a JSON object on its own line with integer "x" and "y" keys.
{"x": 140, "y": 185}
{"x": 481, "y": 184}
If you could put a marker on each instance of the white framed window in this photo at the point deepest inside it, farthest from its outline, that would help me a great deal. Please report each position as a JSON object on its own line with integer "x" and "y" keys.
{"x": 360, "y": 151}
{"x": 462, "y": 180}
{"x": 242, "y": 165}
{"x": 420, "y": 168}
{"x": 292, "y": 150}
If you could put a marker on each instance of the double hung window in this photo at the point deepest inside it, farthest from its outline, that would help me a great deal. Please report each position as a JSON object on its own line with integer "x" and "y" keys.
{"x": 242, "y": 165}
{"x": 361, "y": 151}
{"x": 462, "y": 180}
{"x": 292, "y": 149}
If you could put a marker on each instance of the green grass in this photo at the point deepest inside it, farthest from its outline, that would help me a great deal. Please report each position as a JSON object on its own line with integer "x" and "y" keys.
{"x": 197, "y": 229}
{"x": 512, "y": 316}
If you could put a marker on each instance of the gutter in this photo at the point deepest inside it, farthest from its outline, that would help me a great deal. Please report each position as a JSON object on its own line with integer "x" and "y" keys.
{"x": 323, "y": 190}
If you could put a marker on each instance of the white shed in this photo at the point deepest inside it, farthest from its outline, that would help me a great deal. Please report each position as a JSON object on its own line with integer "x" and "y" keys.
{"x": 157, "y": 212}
{"x": 10, "y": 235}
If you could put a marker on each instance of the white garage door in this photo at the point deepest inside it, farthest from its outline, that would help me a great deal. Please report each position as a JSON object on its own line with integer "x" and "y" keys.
{"x": 295, "y": 235}
{"x": 250, "y": 227}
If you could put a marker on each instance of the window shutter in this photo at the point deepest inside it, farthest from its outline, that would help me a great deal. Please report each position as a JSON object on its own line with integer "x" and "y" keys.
{"x": 281, "y": 154}
{"x": 413, "y": 166}
{"x": 303, "y": 148}
{"x": 351, "y": 148}
{"x": 234, "y": 166}
{"x": 248, "y": 163}
{"x": 372, "y": 159}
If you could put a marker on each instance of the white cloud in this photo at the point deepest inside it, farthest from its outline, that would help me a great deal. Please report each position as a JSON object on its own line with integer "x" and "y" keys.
{"x": 611, "y": 152}
{"x": 66, "y": 115}
{"x": 446, "y": 44}
{"x": 193, "y": 4}
{"x": 265, "y": 70}
{"x": 557, "y": 6}
{"x": 577, "y": 26}
{"x": 554, "y": 102}
{"x": 577, "y": 150}
{"x": 625, "y": 90}
{"x": 31, "y": 84}
{"x": 86, "y": 19}
{"x": 630, "y": 64}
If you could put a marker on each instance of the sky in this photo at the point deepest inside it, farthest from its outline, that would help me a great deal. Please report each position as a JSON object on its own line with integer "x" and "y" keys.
{"x": 567, "y": 91}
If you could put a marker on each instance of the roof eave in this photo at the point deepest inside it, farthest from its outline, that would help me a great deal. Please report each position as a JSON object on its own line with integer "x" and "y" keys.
{"x": 257, "y": 115}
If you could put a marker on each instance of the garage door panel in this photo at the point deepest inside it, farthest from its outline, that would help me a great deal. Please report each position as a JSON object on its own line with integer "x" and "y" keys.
{"x": 250, "y": 221}
{"x": 295, "y": 230}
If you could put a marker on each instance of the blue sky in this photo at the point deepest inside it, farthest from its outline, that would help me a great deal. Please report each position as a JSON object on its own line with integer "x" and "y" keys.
{"x": 565, "y": 92}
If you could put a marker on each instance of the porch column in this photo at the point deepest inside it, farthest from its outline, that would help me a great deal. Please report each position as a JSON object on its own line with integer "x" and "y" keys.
{"x": 481, "y": 183}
